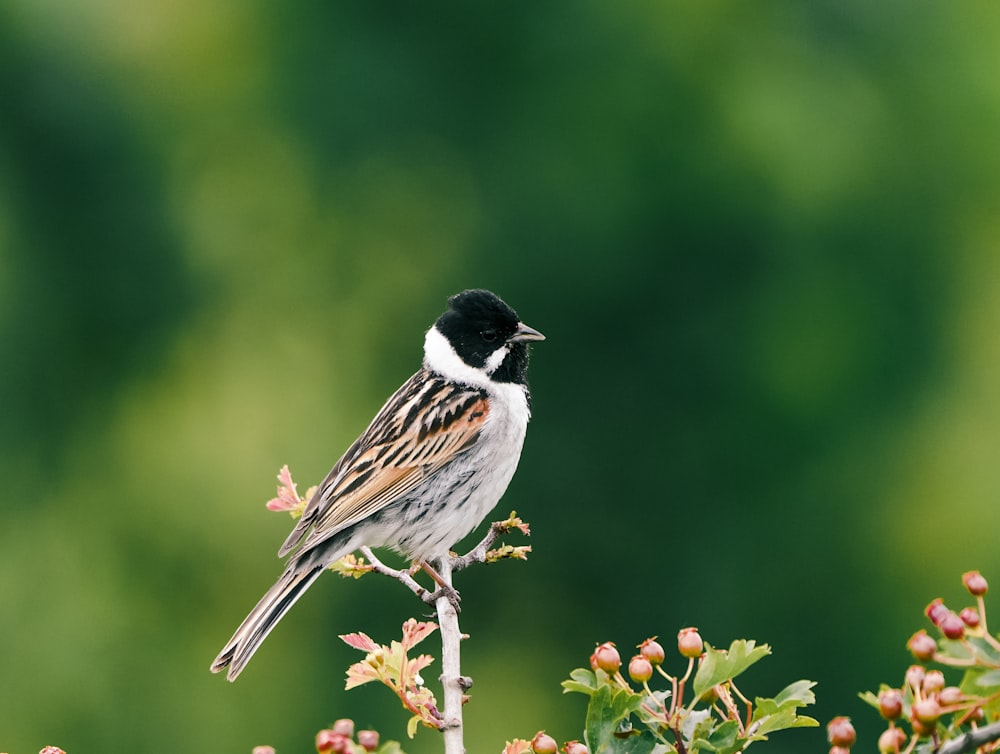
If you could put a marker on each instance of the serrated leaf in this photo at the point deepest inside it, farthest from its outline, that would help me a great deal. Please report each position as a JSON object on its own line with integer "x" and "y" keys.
{"x": 799, "y": 692}
{"x": 717, "y": 666}
{"x": 608, "y": 706}
{"x": 517, "y": 746}
{"x": 725, "y": 738}
{"x": 581, "y": 681}
{"x": 776, "y": 714}
{"x": 389, "y": 747}
{"x": 644, "y": 743}
{"x": 415, "y": 631}
{"x": 359, "y": 640}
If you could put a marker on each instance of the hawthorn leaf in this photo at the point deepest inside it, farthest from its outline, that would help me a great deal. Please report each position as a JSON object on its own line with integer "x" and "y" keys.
{"x": 718, "y": 665}
{"x": 517, "y": 746}
{"x": 582, "y": 681}
{"x": 607, "y": 708}
{"x": 359, "y": 674}
{"x": 799, "y": 692}
{"x": 360, "y": 641}
{"x": 415, "y": 632}
{"x": 722, "y": 740}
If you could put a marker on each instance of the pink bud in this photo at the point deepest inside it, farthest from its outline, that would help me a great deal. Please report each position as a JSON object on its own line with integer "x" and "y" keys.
{"x": 543, "y": 743}
{"x": 368, "y": 739}
{"x": 840, "y": 732}
{"x": 952, "y": 626}
{"x": 922, "y": 645}
{"x": 975, "y": 583}
{"x": 689, "y": 642}
{"x": 606, "y": 657}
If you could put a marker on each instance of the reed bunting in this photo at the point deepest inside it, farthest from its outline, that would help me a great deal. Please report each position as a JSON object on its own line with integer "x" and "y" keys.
{"x": 429, "y": 468}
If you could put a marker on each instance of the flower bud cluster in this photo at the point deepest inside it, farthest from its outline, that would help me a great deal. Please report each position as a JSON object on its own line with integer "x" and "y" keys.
{"x": 606, "y": 662}
{"x": 339, "y": 738}
{"x": 925, "y": 698}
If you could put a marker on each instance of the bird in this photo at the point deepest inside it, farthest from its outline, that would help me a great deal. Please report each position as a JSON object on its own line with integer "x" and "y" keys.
{"x": 433, "y": 463}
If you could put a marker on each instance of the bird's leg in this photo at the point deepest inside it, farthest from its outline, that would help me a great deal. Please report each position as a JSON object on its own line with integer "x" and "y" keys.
{"x": 444, "y": 588}
{"x": 404, "y": 577}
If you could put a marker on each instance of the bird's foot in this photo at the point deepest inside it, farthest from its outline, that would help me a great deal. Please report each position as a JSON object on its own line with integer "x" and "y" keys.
{"x": 444, "y": 588}
{"x": 446, "y": 591}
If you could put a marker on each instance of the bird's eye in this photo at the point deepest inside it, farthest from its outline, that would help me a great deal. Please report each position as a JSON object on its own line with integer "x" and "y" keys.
{"x": 489, "y": 335}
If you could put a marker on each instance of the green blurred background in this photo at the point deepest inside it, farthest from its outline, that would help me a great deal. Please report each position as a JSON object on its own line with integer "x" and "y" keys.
{"x": 762, "y": 240}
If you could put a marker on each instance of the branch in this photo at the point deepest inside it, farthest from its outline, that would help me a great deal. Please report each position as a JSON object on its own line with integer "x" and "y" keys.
{"x": 445, "y": 600}
{"x": 480, "y": 553}
{"x": 452, "y": 681}
{"x": 969, "y": 742}
{"x": 403, "y": 577}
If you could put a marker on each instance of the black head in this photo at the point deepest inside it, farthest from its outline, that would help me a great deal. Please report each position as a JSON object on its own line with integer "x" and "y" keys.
{"x": 487, "y": 334}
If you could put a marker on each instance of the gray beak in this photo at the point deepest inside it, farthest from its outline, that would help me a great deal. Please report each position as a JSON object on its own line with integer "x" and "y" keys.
{"x": 524, "y": 334}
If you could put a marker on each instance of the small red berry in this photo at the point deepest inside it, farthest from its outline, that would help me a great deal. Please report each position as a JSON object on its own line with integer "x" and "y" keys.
{"x": 925, "y": 711}
{"x": 543, "y": 743}
{"x": 344, "y": 726}
{"x": 689, "y": 642}
{"x": 952, "y": 626}
{"x": 975, "y": 583}
{"x": 922, "y": 645}
{"x": 652, "y": 651}
{"x": 606, "y": 657}
{"x": 933, "y": 681}
{"x": 970, "y": 617}
{"x": 890, "y": 704}
{"x": 840, "y": 732}
{"x": 891, "y": 740}
{"x": 936, "y": 611}
{"x": 640, "y": 669}
{"x": 368, "y": 739}
{"x": 575, "y": 747}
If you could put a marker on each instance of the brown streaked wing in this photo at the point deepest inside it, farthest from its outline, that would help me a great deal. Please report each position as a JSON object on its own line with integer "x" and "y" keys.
{"x": 425, "y": 430}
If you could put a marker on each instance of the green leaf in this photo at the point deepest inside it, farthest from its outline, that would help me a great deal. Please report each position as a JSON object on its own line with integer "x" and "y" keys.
{"x": 608, "y": 707}
{"x": 870, "y": 698}
{"x": 989, "y": 679}
{"x": 390, "y": 747}
{"x": 771, "y": 715}
{"x": 411, "y": 726}
{"x": 721, "y": 740}
{"x": 718, "y": 665}
{"x": 983, "y": 682}
{"x": 581, "y": 681}
{"x": 799, "y": 692}
{"x": 641, "y": 743}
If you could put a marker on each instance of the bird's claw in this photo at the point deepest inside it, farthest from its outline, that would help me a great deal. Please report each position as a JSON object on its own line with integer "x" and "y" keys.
{"x": 445, "y": 591}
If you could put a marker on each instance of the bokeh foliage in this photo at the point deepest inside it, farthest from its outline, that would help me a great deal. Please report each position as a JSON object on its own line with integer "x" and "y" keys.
{"x": 761, "y": 238}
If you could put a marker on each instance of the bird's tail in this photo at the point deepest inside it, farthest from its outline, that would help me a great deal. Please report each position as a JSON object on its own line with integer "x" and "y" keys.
{"x": 298, "y": 576}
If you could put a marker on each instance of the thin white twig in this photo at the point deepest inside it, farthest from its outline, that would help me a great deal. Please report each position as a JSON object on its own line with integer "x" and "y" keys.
{"x": 452, "y": 681}
{"x": 444, "y": 599}
{"x": 404, "y": 577}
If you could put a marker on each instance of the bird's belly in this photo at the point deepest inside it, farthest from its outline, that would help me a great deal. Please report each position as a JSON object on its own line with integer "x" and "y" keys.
{"x": 451, "y": 503}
